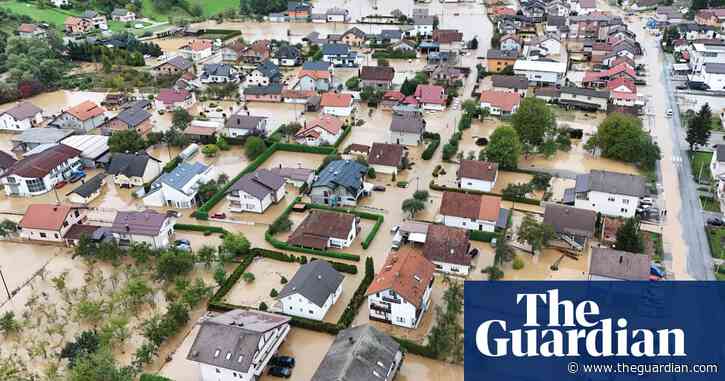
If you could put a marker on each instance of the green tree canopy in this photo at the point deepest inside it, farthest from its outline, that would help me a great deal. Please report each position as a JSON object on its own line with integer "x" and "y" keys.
{"x": 621, "y": 137}
{"x": 699, "y": 127}
{"x": 534, "y": 233}
{"x": 628, "y": 237}
{"x": 533, "y": 121}
{"x": 504, "y": 148}
{"x": 127, "y": 141}
{"x": 254, "y": 146}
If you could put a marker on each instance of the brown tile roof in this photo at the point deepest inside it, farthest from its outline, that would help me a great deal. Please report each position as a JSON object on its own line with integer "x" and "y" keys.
{"x": 386, "y": 154}
{"x": 319, "y": 226}
{"x": 377, "y": 73}
{"x": 27, "y": 28}
{"x": 478, "y": 207}
{"x": 502, "y": 99}
{"x": 330, "y": 99}
{"x": 40, "y": 164}
{"x": 357, "y": 148}
{"x": 77, "y": 231}
{"x": 406, "y": 272}
{"x": 44, "y": 216}
{"x": 326, "y": 122}
{"x": 86, "y": 110}
{"x": 619, "y": 264}
{"x": 570, "y": 220}
{"x": 316, "y": 74}
{"x": 446, "y": 36}
{"x": 198, "y": 45}
{"x": 475, "y": 169}
{"x": 446, "y": 244}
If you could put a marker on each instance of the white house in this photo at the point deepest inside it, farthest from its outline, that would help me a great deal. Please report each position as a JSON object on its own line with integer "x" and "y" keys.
{"x": 151, "y": 227}
{"x": 133, "y": 169}
{"x": 239, "y": 125}
{"x": 323, "y": 229}
{"x": 39, "y": 173}
{"x": 431, "y": 97}
{"x": 178, "y": 188}
{"x": 470, "y": 211}
{"x": 713, "y": 75}
{"x": 88, "y": 190}
{"x": 400, "y": 293}
{"x": 49, "y": 222}
{"x": 500, "y": 103}
{"x": 21, "y": 117}
{"x": 256, "y": 191}
{"x": 85, "y": 116}
{"x": 717, "y": 163}
{"x": 264, "y": 74}
{"x": 237, "y": 345}
{"x": 477, "y": 175}
{"x": 406, "y": 129}
{"x": 219, "y": 73}
{"x": 324, "y": 130}
{"x": 541, "y": 72}
{"x": 197, "y": 50}
{"x": 423, "y": 25}
{"x": 122, "y": 15}
{"x": 171, "y": 99}
{"x": 447, "y": 248}
{"x": 386, "y": 158}
{"x": 702, "y": 53}
{"x": 337, "y": 104}
{"x": 59, "y": 3}
{"x": 315, "y": 287}
{"x": 609, "y": 193}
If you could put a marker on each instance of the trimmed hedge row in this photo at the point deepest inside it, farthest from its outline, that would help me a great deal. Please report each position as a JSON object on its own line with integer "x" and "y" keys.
{"x": 415, "y": 348}
{"x": 430, "y": 149}
{"x": 153, "y": 377}
{"x": 378, "y": 218}
{"x": 442, "y": 188}
{"x": 476, "y": 235}
{"x": 323, "y": 253}
{"x": 345, "y": 133}
{"x": 279, "y": 256}
{"x": 358, "y": 298}
{"x": 231, "y": 280}
{"x": 200, "y": 228}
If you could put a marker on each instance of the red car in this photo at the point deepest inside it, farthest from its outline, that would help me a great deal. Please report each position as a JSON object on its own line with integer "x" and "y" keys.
{"x": 60, "y": 184}
{"x": 219, "y": 216}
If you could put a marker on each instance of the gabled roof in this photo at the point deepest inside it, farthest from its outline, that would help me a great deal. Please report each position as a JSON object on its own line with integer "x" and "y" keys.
{"x": 42, "y": 135}
{"x": 476, "y": 207}
{"x": 476, "y": 169}
{"x": 319, "y": 226}
{"x": 331, "y": 99}
{"x": 407, "y": 272}
{"x": 41, "y": 164}
{"x": 27, "y": 28}
{"x": 268, "y": 69}
{"x": 430, "y": 94}
{"x": 357, "y": 354}
{"x": 377, "y": 73}
{"x": 171, "y": 96}
{"x": 498, "y": 54}
{"x": 222, "y": 70}
{"x": 447, "y": 244}
{"x": 271, "y": 89}
{"x": 6, "y": 160}
{"x": 89, "y": 187}
{"x": 44, "y": 216}
{"x": 316, "y": 65}
{"x": 129, "y": 164}
{"x": 133, "y": 116}
{"x": 316, "y": 281}
{"x": 197, "y": 45}
{"x": 91, "y": 146}
{"x": 619, "y": 264}
{"x": 120, "y": 12}
{"x": 355, "y": 31}
{"x": 603, "y": 94}
{"x": 259, "y": 183}
{"x": 570, "y": 220}
{"x": 86, "y": 110}
{"x": 288, "y": 52}
{"x": 407, "y": 124}
{"x": 231, "y": 340}
{"x": 244, "y": 122}
{"x": 314, "y": 74}
{"x": 385, "y": 154}
{"x": 611, "y": 182}
{"x": 180, "y": 176}
{"x": 22, "y": 111}
{"x": 345, "y": 173}
{"x": 335, "y": 49}
{"x": 447, "y": 36}
{"x": 328, "y": 123}
{"x": 504, "y": 100}
{"x": 148, "y": 222}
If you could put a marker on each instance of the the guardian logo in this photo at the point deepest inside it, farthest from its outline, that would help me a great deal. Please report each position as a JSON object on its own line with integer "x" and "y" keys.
{"x": 573, "y": 330}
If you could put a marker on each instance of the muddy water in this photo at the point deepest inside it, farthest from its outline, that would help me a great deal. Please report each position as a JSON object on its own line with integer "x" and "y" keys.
{"x": 52, "y": 103}
{"x": 294, "y": 159}
{"x": 267, "y": 277}
{"x": 308, "y": 348}
{"x": 577, "y": 160}
{"x": 420, "y": 368}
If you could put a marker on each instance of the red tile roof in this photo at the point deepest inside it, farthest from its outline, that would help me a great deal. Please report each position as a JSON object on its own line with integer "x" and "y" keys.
{"x": 171, "y": 96}
{"x": 477, "y": 207}
{"x": 27, "y": 28}
{"x": 377, "y": 73}
{"x": 40, "y": 164}
{"x": 198, "y": 45}
{"x": 406, "y": 272}
{"x": 86, "y": 110}
{"x": 447, "y": 244}
{"x": 430, "y": 94}
{"x": 319, "y": 226}
{"x": 315, "y": 74}
{"x": 330, "y": 99}
{"x": 475, "y": 169}
{"x": 44, "y": 216}
{"x": 502, "y": 99}
{"x": 326, "y": 122}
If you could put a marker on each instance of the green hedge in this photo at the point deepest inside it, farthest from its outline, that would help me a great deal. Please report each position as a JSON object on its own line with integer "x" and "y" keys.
{"x": 415, "y": 348}
{"x": 342, "y": 137}
{"x": 529, "y": 201}
{"x": 358, "y": 298}
{"x": 430, "y": 149}
{"x": 476, "y": 235}
{"x": 153, "y": 377}
{"x": 279, "y": 256}
{"x": 231, "y": 280}
{"x": 378, "y": 218}
{"x": 323, "y": 253}
{"x": 315, "y": 325}
{"x": 200, "y": 228}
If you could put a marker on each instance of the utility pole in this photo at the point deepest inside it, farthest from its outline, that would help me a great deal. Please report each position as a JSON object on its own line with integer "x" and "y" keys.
{"x": 5, "y": 284}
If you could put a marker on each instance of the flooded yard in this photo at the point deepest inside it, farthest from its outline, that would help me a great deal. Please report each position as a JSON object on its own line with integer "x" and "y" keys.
{"x": 577, "y": 160}
{"x": 54, "y": 102}
{"x": 267, "y": 276}
{"x": 293, "y": 160}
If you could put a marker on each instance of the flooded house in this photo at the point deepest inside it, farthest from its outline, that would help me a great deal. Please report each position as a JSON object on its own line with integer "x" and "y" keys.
{"x": 256, "y": 191}
{"x": 179, "y": 188}
{"x": 406, "y": 129}
{"x": 6, "y": 161}
{"x": 269, "y": 93}
{"x": 497, "y": 60}
{"x": 287, "y": 56}
{"x": 20, "y": 117}
{"x": 584, "y": 98}
{"x": 400, "y": 293}
{"x": 573, "y": 227}
{"x": 88, "y": 191}
{"x": 337, "y": 104}
{"x": 340, "y": 183}
{"x": 312, "y": 291}
{"x": 174, "y": 66}
{"x": 149, "y": 226}
{"x": 542, "y": 72}
{"x": 49, "y": 222}
{"x": 315, "y": 76}
{"x": 298, "y": 177}
{"x": 609, "y": 264}
{"x": 264, "y": 74}
{"x": 609, "y": 193}
{"x": 239, "y": 125}
{"x": 197, "y": 50}
{"x": 324, "y": 130}
{"x": 477, "y": 175}
{"x": 323, "y": 229}
{"x": 39, "y": 173}
{"x": 26, "y": 30}
{"x": 470, "y": 211}
{"x": 171, "y": 99}
{"x": 133, "y": 169}
{"x": 422, "y": 26}
{"x": 510, "y": 83}
{"x": 431, "y": 97}
{"x": 500, "y": 103}
{"x": 237, "y": 345}
{"x": 339, "y": 55}
{"x": 386, "y": 158}
{"x": 380, "y": 77}
{"x": 353, "y": 37}
{"x": 257, "y": 52}
{"x": 32, "y": 138}
{"x": 219, "y": 73}
{"x": 232, "y": 53}
{"x": 132, "y": 118}
{"x": 82, "y": 117}
{"x": 94, "y": 149}
{"x": 448, "y": 249}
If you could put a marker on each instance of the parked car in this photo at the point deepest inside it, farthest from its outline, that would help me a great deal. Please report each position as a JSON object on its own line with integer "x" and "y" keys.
{"x": 60, "y": 184}
{"x": 280, "y": 371}
{"x": 76, "y": 176}
{"x": 379, "y": 188}
{"x": 182, "y": 242}
{"x": 394, "y": 229}
{"x": 283, "y": 361}
{"x": 473, "y": 253}
{"x": 668, "y": 113}
{"x": 219, "y": 216}
{"x": 715, "y": 221}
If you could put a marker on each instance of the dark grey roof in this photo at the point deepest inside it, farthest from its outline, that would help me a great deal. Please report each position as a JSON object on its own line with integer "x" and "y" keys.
{"x": 585, "y": 92}
{"x": 259, "y": 183}
{"x": 90, "y": 186}
{"x": 720, "y": 152}
{"x": 335, "y": 49}
{"x": 553, "y": 20}
{"x": 611, "y": 182}
{"x": 357, "y": 354}
{"x": 316, "y": 65}
{"x": 42, "y": 135}
{"x": 423, "y": 20}
{"x": 407, "y": 124}
{"x": 221, "y": 70}
{"x": 715, "y": 68}
{"x": 234, "y": 337}
{"x": 244, "y": 122}
{"x": 6, "y": 160}
{"x": 179, "y": 62}
{"x": 518, "y": 82}
{"x": 133, "y": 116}
{"x": 392, "y": 34}
{"x": 120, "y": 12}
{"x": 22, "y": 111}
{"x": 618, "y": 264}
{"x": 89, "y": 14}
{"x": 569, "y": 220}
{"x": 501, "y": 54}
{"x": 269, "y": 69}
{"x": 180, "y": 176}
{"x": 345, "y": 173}
{"x": 273, "y": 88}
{"x": 129, "y": 164}
{"x": 316, "y": 281}
{"x": 288, "y": 52}
{"x": 148, "y": 222}
{"x": 355, "y": 31}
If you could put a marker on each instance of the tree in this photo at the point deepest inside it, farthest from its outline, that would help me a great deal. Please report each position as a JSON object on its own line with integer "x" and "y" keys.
{"x": 494, "y": 272}
{"x": 504, "y": 148}
{"x": 517, "y": 190}
{"x": 99, "y": 365}
{"x": 8, "y": 227}
{"x": 173, "y": 263}
{"x": 206, "y": 254}
{"x": 421, "y": 195}
{"x": 220, "y": 275}
{"x": 449, "y": 150}
{"x": 371, "y": 173}
{"x": 273, "y": 293}
{"x": 629, "y": 238}
{"x": 471, "y": 107}
{"x": 248, "y": 277}
{"x": 254, "y": 146}
{"x": 412, "y": 206}
{"x": 281, "y": 224}
{"x": 235, "y": 244}
{"x": 699, "y": 127}
{"x": 408, "y": 87}
{"x": 86, "y": 343}
{"x": 8, "y": 323}
{"x": 180, "y": 118}
{"x": 540, "y": 181}
{"x": 126, "y": 141}
{"x": 353, "y": 83}
{"x": 210, "y": 150}
{"x": 533, "y": 121}
{"x": 620, "y": 137}
{"x": 535, "y": 233}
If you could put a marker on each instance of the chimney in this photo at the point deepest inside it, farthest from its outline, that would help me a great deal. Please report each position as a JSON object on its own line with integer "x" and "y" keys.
{"x": 351, "y": 340}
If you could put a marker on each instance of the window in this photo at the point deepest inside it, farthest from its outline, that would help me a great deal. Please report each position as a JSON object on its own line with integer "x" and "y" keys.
{"x": 76, "y": 213}
{"x": 217, "y": 369}
{"x": 35, "y": 185}
{"x": 610, "y": 198}
{"x": 625, "y": 201}
{"x": 43, "y": 235}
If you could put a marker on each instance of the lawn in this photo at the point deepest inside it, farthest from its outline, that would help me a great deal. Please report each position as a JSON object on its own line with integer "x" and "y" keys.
{"x": 716, "y": 238}
{"x": 210, "y": 8}
{"x": 710, "y": 204}
{"x": 49, "y": 15}
{"x": 700, "y": 161}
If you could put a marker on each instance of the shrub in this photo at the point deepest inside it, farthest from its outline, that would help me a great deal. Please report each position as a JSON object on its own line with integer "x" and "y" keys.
{"x": 371, "y": 172}
{"x": 283, "y": 280}
{"x": 248, "y": 277}
{"x": 431, "y": 149}
{"x": 263, "y": 306}
{"x": 273, "y": 293}
{"x": 518, "y": 263}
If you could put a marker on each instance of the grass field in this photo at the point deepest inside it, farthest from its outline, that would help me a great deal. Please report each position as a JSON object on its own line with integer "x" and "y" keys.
{"x": 210, "y": 8}
{"x": 716, "y": 238}
{"x": 49, "y": 15}
{"x": 700, "y": 161}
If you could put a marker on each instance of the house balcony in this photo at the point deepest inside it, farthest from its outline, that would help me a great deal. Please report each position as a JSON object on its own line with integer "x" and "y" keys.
{"x": 380, "y": 308}
{"x": 391, "y": 300}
